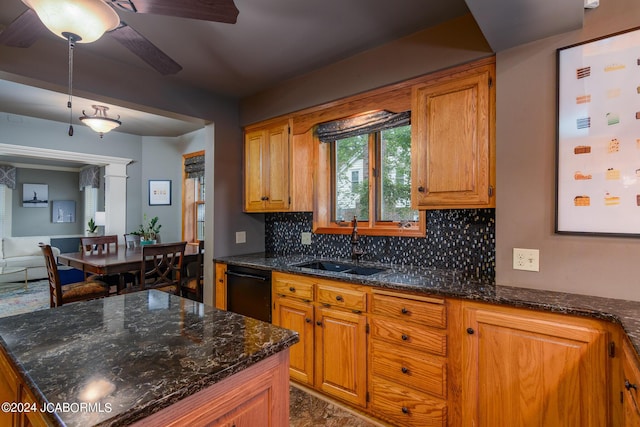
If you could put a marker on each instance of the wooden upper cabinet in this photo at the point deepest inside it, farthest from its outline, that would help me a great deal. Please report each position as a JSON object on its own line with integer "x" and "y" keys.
{"x": 277, "y": 169}
{"x": 453, "y": 149}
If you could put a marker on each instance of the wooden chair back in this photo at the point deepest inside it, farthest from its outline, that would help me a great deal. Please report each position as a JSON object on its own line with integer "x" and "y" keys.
{"x": 80, "y": 291}
{"x": 194, "y": 272}
{"x": 131, "y": 241}
{"x": 99, "y": 244}
{"x": 161, "y": 266}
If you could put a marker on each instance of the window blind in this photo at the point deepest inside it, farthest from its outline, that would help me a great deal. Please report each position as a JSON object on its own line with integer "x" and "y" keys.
{"x": 362, "y": 124}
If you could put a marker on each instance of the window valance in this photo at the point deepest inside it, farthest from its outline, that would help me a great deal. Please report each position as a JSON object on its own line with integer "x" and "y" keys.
{"x": 194, "y": 166}
{"x": 8, "y": 176}
{"x": 358, "y": 125}
{"x": 90, "y": 177}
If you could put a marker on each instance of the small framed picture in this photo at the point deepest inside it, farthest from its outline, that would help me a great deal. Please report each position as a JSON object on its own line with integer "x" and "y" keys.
{"x": 63, "y": 211}
{"x": 35, "y": 195}
{"x": 159, "y": 192}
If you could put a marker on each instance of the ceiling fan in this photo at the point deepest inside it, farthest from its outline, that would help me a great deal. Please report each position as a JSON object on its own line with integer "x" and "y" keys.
{"x": 31, "y": 25}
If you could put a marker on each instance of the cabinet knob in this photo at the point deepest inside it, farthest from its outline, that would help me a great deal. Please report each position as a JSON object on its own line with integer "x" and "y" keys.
{"x": 404, "y": 337}
{"x": 319, "y": 323}
{"x": 421, "y": 189}
{"x": 266, "y": 197}
{"x": 405, "y": 410}
{"x": 292, "y": 289}
{"x": 470, "y": 331}
{"x": 339, "y": 298}
{"x": 307, "y": 320}
{"x": 404, "y": 311}
{"x": 404, "y": 370}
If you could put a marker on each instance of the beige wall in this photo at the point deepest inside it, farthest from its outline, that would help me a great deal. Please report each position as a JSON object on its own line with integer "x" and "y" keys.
{"x": 526, "y": 153}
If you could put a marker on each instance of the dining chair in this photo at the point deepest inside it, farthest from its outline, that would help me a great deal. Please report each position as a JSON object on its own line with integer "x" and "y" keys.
{"x": 191, "y": 286}
{"x": 131, "y": 241}
{"x": 161, "y": 266}
{"x": 98, "y": 245}
{"x": 63, "y": 294}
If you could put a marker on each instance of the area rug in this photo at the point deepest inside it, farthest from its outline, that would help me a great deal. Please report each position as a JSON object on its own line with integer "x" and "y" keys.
{"x": 15, "y": 299}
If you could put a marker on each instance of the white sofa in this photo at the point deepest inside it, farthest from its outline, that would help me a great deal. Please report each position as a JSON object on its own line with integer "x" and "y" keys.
{"x": 24, "y": 252}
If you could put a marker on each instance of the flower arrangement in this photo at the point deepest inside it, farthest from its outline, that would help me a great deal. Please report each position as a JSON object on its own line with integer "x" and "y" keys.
{"x": 150, "y": 230}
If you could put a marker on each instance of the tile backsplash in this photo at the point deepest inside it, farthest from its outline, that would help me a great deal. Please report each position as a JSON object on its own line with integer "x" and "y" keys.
{"x": 458, "y": 239}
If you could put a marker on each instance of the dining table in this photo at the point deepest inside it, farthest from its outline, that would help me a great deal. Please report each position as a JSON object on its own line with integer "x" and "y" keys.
{"x": 116, "y": 262}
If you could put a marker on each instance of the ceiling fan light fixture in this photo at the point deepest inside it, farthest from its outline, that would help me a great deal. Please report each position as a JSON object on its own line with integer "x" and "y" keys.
{"x": 99, "y": 121}
{"x": 85, "y": 20}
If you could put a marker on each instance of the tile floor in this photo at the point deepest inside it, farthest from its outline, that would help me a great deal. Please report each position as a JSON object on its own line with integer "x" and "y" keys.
{"x": 308, "y": 410}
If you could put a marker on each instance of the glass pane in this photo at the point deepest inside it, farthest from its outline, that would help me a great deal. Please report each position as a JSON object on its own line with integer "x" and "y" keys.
{"x": 351, "y": 173}
{"x": 395, "y": 175}
{"x": 200, "y": 221}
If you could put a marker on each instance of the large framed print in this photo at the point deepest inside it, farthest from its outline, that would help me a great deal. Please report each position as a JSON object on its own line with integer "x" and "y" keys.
{"x": 159, "y": 192}
{"x": 598, "y": 145}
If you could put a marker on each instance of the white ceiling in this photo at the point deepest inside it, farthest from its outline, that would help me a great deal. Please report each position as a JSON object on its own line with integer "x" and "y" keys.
{"x": 273, "y": 40}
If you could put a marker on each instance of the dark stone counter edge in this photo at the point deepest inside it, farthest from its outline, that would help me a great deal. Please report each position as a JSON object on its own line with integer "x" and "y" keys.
{"x": 452, "y": 284}
{"x": 142, "y": 411}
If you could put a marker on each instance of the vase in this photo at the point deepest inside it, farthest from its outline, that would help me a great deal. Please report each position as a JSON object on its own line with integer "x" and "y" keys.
{"x": 147, "y": 242}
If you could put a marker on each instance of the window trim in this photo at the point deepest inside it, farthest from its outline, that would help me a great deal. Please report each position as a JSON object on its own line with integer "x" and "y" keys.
{"x": 190, "y": 235}
{"x": 323, "y": 222}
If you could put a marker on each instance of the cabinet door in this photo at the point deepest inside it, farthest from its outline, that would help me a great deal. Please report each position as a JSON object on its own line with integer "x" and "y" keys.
{"x": 341, "y": 354}
{"x": 532, "y": 369}
{"x": 254, "y": 186}
{"x": 631, "y": 394}
{"x": 451, "y": 143}
{"x": 221, "y": 286}
{"x": 276, "y": 168}
{"x": 297, "y": 316}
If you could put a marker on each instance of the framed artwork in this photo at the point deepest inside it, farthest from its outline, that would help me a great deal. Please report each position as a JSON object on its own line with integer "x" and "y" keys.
{"x": 598, "y": 138}
{"x": 159, "y": 192}
{"x": 63, "y": 211}
{"x": 35, "y": 195}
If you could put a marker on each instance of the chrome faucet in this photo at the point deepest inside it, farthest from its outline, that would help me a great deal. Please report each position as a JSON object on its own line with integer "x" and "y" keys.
{"x": 356, "y": 250}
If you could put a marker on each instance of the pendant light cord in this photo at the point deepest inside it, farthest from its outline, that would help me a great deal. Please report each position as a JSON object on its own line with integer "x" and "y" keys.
{"x": 69, "y": 103}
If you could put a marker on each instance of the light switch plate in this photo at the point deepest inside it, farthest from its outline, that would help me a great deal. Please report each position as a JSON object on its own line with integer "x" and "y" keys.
{"x": 241, "y": 236}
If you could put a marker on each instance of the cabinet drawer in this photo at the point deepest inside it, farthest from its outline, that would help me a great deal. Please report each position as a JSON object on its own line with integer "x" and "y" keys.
{"x": 291, "y": 287}
{"x": 406, "y": 407}
{"x": 409, "y": 336}
{"x": 409, "y": 368}
{"x": 351, "y": 299}
{"x": 413, "y": 310}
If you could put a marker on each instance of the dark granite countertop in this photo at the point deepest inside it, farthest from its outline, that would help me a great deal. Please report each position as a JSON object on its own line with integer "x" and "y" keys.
{"x": 142, "y": 351}
{"x": 451, "y": 283}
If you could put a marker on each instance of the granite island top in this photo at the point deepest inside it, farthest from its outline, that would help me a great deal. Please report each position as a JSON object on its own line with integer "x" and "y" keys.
{"x": 452, "y": 283}
{"x": 132, "y": 354}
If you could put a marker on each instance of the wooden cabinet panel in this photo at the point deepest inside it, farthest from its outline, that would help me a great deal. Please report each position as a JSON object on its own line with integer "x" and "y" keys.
{"x": 426, "y": 311}
{"x": 292, "y": 286}
{"x": 349, "y": 299}
{"x": 533, "y": 369}
{"x": 452, "y": 141}
{"x": 278, "y": 168}
{"x": 221, "y": 286}
{"x": 297, "y": 316}
{"x": 630, "y": 395}
{"x": 407, "y": 407}
{"x": 341, "y": 359}
{"x": 404, "y": 335}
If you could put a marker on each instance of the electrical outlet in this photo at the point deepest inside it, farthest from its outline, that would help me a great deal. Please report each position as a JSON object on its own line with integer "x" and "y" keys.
{"x": 305, "y": 238}
{"x": 526, "y": 259}
{"x": 241, "y": 236}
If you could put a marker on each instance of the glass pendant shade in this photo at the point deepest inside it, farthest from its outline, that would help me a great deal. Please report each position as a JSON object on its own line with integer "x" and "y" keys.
{"x": 99, "y": 122}
{"x": 87, "y": 20}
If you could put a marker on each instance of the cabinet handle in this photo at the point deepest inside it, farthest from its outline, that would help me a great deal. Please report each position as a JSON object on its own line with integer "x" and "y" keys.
{"x": 307, "y": 320}
{"x": 470, "y": 331}
{"x": 292, "y": 289}
{"x": 404, "y": 337}
{"x": 339, "y": 298}
{"x": 319, "y": 323}
{"x": 404, "y": 370}
{"x": 404, "y": 311}
{"x": 421, "y": 189}
{"x": 405, "y": 410}
{"x": 266, "y": 198}
{"x": 630, "y": 386}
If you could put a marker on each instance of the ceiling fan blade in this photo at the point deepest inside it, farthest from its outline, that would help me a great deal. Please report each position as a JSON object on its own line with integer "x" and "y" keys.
{"x": 147, "y": 51}
{"x": 203, "y": 10}
{"x": 23, "y": 31}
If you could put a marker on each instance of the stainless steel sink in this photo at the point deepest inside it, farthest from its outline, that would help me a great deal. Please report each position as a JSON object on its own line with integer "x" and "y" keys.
{"x": 340, "y": 267}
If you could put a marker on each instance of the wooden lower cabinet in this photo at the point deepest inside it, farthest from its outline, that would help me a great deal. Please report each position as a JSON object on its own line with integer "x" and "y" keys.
{"x": 630, "y": 395}
{"x": 528, "y": 368}
{"x": 298, "y": 316}
{"x": 221, "y": 286}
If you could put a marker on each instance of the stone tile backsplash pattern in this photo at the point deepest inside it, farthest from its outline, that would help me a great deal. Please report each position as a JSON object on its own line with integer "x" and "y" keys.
{"x": 457, "y": 239}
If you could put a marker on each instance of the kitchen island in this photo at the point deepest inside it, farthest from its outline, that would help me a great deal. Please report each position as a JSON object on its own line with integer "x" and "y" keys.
{"x": 147, "y": 356}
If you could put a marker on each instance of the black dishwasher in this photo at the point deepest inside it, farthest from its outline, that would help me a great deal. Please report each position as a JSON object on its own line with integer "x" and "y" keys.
{"x": 249, "y": 292}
